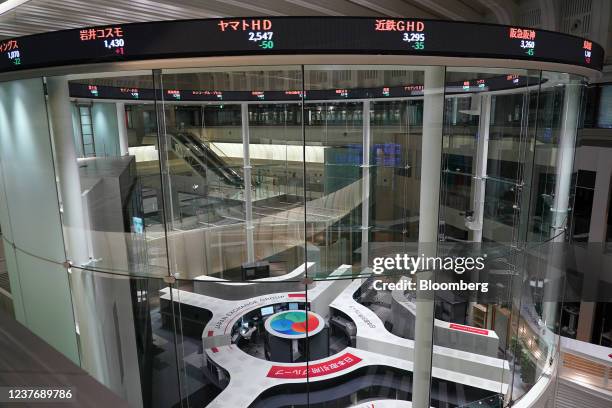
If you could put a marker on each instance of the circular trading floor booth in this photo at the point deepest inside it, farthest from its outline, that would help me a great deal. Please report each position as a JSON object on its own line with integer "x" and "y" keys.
{"x": 272, "y": 212}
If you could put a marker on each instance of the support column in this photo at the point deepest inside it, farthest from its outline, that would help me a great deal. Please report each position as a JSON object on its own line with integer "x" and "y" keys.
{"x": 601, "y": 197}
{"x": 429, "y": 206}
{"x": 248, "y": 204}
{"x": 107, "y": 340}
{"x": 365, "y": 188}
{"x": 565, "y": 159}
{"x": 73, "y": 220}
{"x": 586, "y": 318}
{"x": 560, "y": 210}
{"x": 480, "y": 185}
{"x": 480, "y": 176}
{"x": 71, "y": 202}
{"x": 168, "y": 194}
{"x": 30, "y": 217}
{"x": 122, "y": 129}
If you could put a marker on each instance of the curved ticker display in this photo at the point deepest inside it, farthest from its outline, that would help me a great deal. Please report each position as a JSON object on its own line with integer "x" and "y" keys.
{"x": 295, "y": 35}
{"x": 496, "y": 83}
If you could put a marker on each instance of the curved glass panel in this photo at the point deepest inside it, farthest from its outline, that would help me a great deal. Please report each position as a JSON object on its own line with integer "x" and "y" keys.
{"x": 304, "y": 235}
{"x": 235, "y": 171}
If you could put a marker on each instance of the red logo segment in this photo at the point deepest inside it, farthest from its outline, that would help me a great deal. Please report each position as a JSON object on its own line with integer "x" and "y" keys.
{"x": 314, "y": 370}
{"x": 469, "y": 329}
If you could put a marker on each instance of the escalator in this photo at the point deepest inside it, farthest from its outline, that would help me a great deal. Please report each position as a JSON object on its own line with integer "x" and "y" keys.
{"x": 202, "y": 158}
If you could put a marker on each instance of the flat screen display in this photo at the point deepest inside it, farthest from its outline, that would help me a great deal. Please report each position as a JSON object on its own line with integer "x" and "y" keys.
{"x": 295, "y": 35}
{"x": 267, "y": 311}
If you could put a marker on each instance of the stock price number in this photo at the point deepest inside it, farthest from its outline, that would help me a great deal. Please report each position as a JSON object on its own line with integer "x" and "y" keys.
{"x": 264, "y": 38}
{"x": 117, "y": 44}
{"x": 14, "y": 56}
{"x": 416, "y": 39}
{"x": 528, "y": 45}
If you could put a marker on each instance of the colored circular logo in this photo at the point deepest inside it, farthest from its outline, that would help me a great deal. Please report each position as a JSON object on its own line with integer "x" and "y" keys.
{"x": 293, "y": 323}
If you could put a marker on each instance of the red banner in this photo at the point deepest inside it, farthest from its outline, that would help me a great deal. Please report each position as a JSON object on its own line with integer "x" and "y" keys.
{"x": 469, "y": 329}
{"x": 315, "y": 370}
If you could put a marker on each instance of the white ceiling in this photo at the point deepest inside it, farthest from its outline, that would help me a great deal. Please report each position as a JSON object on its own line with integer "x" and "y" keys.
{"x": 22, "y": 17}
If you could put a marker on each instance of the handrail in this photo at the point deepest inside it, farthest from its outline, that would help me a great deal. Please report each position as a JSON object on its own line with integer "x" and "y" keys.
{"x": 200, "y": 145}
{"x": 184, "y": 139}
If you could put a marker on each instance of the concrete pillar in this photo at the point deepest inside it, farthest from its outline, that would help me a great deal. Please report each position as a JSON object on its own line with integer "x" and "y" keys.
{"x": 586, "y": 317}
{"x": 122, "y": 129}
{"x": 480, "y": 185}
{"x": 365, "y": 188}
{"x": 565, "y": 159}
{"x": 73, "y": 221}
{"x": 248, "y": 204}
{"x": 60, "y": 119}
{"x": 168, "y": 195}
{"x": 480, "y": 175}
{"x": 433, "y": 113}
{"x": 563, "y": 172}
{"x": 30, "y": 217}
{"x": 601, "y": 196}
{"x": 96, "y": 297}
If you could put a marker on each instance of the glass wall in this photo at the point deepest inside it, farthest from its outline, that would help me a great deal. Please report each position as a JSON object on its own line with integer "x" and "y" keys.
{"x": 257, "y": 235}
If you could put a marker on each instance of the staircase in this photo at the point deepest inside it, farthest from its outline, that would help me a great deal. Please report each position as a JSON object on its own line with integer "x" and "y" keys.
{"x": 202, "y": 158}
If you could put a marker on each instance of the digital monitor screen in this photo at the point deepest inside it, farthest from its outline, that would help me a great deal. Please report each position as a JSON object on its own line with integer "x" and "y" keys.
{"x": 294, "y": 35}
{"x": 267, "y": 311}
{"x": 293, "y": 306}
{"x": 496, "y": 83}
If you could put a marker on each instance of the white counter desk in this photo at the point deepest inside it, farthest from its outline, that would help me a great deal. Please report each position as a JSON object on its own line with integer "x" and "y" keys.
{"x": 476, "y": 370}
{"x": 446, "y": 334}
{"x": 249, "y": 376}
